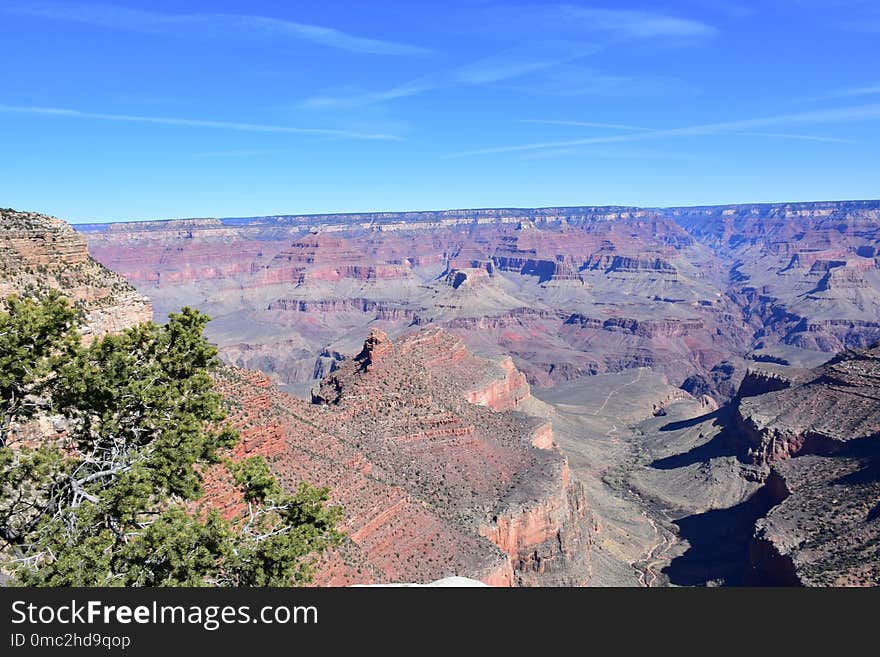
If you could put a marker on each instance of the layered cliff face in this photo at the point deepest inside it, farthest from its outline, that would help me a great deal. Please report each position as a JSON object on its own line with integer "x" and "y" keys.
{"x": 432, "y": 484}
{"x": 508, "y": 282}
{"x": 39, "y": 253}
{"x": 765, "y": 378}
{"x": 823, "y": 531}
{"x": 806, "y": 274}
{"x": 819, "y": 432}
{"x": 681, "y": 290}
{"x": 822, "y": 413}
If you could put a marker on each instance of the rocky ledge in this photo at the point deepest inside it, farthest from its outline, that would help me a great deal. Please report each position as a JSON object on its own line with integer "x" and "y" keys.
{"x": 40, "y": 253}
{"x": 824, "y": 530}
{"x": 835, "y": 405}
{"x": 819, "y": 435}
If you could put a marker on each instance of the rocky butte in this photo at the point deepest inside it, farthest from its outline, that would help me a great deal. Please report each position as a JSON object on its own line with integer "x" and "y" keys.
{"x": 420, "y": 441}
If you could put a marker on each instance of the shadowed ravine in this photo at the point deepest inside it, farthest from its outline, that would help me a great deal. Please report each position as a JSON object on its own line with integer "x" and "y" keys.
{"x": 719, "y": 545}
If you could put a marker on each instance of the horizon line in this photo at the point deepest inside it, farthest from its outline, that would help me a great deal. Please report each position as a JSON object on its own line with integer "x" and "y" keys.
{"x": 608, "y": 206}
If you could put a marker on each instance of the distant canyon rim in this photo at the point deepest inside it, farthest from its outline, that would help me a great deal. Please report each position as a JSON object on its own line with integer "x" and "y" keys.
{"x": 693, "y": 293}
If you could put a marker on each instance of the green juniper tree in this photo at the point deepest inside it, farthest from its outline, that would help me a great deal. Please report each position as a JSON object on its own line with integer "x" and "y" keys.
{"x": 34, "y": 336}
{"x": 108, "y": 506}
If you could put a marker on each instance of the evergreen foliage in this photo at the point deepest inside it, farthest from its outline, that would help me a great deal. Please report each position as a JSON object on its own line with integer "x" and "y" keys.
{"x": 107, "y": 506}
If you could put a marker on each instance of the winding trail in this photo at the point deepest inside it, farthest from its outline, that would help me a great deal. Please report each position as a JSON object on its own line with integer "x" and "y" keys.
{"x": 648, "y": 564}
{"x": 654, "y": 556}
{"x": 616, "y": 390}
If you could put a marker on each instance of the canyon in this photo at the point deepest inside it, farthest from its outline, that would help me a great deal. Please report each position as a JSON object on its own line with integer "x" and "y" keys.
{"x": 695, "y": 293}
{"x": 533, "y": 397}
{"x": 420, "y": 442}
{"x": 659, "y": 344}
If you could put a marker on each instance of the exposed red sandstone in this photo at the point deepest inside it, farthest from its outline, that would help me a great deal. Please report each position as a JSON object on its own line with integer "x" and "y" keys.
{"x": 432, "y": 484}
{"x": 322, "y": 278}
{"x": 502, "y": 394}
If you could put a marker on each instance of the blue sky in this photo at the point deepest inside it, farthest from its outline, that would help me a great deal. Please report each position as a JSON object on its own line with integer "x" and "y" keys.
{"x": 138, "y": 110}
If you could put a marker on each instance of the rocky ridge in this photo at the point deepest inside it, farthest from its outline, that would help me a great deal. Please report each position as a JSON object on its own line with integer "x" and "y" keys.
{"x": 695, "y": 293}
{"x": 437, "y": 474}
{"x": 526, "y": 277}
{"x": 819, "y": 433}
{"x": 39, "y": 253}
{"x": 821, "y": 413}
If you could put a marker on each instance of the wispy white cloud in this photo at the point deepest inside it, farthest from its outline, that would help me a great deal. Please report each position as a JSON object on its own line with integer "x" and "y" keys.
{"x": 851, "y": 92}
{"x": 834, "y": 116}
{"x": 862, "y": 91}
{"x": 516, "y": 63}
{"x": 618, "y": 126}
{"x": 210, "y": 24}
{"x": 413, "y": 88}
{"x": 611, "y": 154}
{"x": 196, "y": 123}
{"x": 240, "y": 153}
{"x": 783, "y": 135}
{"x": 587, "y": 124}
{"x": 636, "y": 24}
{"x": 567, "y": 34}
{"x": 571, "y": 80}
{"x": 497, "y": 68}
{"x": 573, "y": 22}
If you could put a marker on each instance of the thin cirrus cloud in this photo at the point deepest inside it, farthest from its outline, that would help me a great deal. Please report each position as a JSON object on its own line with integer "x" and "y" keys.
{"x": 820, "y": 117}
{"x": 636, "y": 24}
{"x": 571, "y": 33}
{"x": 371, "y": 98}
{"x": 241, "y": 153}
{"x": 604, "y": 25}
{"x": 619, "y": 126}
{"x": 785, "y": 135}
{"x": 196, "y": 123}
{"x": 588, "y": 124}
{"x": 210, "y": 24}
{"x": 852, "y": 92}
{"x": 612, "y": 154}
{"x": 505, "y": 66}
{"x": 512, "y": 64}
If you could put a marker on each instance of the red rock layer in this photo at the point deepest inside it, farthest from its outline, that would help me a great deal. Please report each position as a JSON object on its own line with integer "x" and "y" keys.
{"x": 321, "y": 277}
{"x": 679, "y": 290}
{"x": 431, "y": 484}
